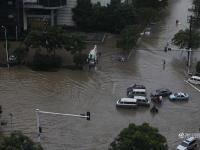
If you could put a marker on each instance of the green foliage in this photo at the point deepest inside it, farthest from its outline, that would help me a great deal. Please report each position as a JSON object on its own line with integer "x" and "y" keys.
{"x": 129, "y": 37}
{"x": 51, "y": 39}
{"x": 120, "y": 16}
{"x": 181, "y": 39}
{"x": 55, "y": 38}
{"x": 74, "y": 43}
{"x": 147, "y": 15}
{"x": 83, "y": 13}
{"x": 45, "y": 62}
{"x": 18, "y": 141}
{"x": 198, "y": 67}
{"x": 155, "y": 4}
{"x": 80, "y": 59}
{"x": 20, "y": 53}
{"x": 143, "y": 137}
{"x": 116, "y": 15}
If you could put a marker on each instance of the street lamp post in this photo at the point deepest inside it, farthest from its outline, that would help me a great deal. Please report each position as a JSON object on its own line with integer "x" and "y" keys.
{"x": 5, "y": 32}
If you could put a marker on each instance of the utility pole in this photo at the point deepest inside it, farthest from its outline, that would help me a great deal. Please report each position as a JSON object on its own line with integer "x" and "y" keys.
{"x": 189, "y": 49}
{"x": 5, "y": 32}
{"x": 39, "y": 128}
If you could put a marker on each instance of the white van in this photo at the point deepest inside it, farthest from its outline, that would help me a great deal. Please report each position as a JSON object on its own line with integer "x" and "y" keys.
{"x": 194, "y": 80}
{"x": 127, "y": 103}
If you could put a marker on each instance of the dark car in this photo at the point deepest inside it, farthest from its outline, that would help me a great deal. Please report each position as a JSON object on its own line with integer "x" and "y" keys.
{"x": 135, "y": 86}
{"x": 162, "y": 92}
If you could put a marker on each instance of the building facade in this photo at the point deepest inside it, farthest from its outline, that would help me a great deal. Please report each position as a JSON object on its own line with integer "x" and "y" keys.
{"x": 22, "y": 15}
{"x": 11, "y": 17}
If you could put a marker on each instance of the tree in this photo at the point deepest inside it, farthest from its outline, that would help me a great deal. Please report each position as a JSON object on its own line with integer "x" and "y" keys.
{"x": 80, "y": 59}
{"x": 143, "y": 137}
{"x": 82, "y": 14}
{"x": 155, "y": 4}
{"x": 129, "y": 36}
{"x": 18, "y": 141}
{"x": 181, "y": 39}
{"x": 147, "y": 15}
{"x": 74, "y": 43}
{"x": 198, "y": 67}
{"x": 51, "y": 39}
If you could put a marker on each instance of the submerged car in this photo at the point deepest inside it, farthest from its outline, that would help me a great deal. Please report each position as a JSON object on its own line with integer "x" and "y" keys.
{"x": 142, "y": 101}
{"x": 179, "y": 96}
{"x": 127, "y": 103}
{"x": 162, "y": 92}
{"x": 131, "y": 89}
{"x": 137, "y": 92}
{"x": 188, "y": 144}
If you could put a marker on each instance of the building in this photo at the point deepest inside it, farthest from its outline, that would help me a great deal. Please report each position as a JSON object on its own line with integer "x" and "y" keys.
{"x": 22, "y": 15}
{"x": 51, "y": 11}
{"x": 11, "y": 17}
{"x": 38, "y": 13}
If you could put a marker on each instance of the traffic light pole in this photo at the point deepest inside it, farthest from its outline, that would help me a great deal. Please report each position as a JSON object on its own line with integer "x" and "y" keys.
{"x": 190, "y": 44}
{"x": 39, "y": 128}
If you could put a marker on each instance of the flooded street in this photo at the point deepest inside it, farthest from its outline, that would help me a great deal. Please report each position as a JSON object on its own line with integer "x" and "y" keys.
{"x": 76, "y": 92}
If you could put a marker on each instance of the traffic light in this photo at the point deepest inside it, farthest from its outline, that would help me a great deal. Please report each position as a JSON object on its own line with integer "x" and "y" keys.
{"x": 88, "y": 115}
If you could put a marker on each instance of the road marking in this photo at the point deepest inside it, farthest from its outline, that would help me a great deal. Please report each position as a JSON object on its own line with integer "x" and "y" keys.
{"x": 192, "y": 86}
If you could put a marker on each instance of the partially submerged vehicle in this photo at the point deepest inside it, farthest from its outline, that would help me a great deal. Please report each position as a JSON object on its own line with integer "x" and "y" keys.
{"x": 136, "y": 90}
{"x": 161, "y": 92}
{"x": 188, "y": 144}
{"x": 179, "y": 96}
{"x": 127, "y": 103}
{"x": 142, "y": 101}
{"x": 194, "y": 80}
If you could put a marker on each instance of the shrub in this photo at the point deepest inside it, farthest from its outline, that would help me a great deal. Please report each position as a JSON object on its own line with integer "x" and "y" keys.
{"x": 46, "y": 62}
{"x": 80, "y": 59}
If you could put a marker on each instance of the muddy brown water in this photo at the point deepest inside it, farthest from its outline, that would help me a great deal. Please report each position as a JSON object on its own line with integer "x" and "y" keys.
{"x": 97, "y": 90}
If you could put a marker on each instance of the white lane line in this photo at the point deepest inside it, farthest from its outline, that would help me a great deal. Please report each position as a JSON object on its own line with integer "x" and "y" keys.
{"x": 192, "y": 86}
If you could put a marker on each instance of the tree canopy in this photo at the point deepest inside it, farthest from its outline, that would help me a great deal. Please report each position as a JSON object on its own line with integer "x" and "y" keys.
{"x": 18, "y": 141}
{"x": 129, "y": 36}
{"x": 54, "y": 38}
{"x": 181, "y": 39}
{"x": 116, "y": 15}
{"x": 142, "y": 137}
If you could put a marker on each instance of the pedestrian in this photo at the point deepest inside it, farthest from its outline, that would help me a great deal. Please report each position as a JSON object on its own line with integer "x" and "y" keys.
{"x": 164, "y": 64}
{"x": 177, "y": 22}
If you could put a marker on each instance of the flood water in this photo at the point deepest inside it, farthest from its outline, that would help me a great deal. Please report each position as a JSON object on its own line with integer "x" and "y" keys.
{"x": 76, "y": 92}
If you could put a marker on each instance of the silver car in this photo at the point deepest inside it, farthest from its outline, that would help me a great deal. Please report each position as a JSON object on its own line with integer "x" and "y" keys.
{"x": 188, "y": 144}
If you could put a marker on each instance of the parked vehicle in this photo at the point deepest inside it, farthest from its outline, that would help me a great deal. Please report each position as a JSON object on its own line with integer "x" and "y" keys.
{"x": 188, "y": 144}
{"x": 131, "y": 90}
{"x": 127, "y": 103}
{"x": 162, "y": 92}
{"x": 179, "y": 96}
{"x": 142, "y": 101}
{"x": 194, "y": 80}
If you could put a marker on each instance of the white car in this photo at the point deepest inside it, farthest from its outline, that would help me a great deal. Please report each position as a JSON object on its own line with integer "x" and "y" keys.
{"x": 188, "y": 144}
{"x": 142, "y": 100}
{"x": 127, "y": 103}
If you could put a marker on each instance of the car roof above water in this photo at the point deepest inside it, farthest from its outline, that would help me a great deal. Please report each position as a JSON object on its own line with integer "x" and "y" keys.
{"x": 128, "y": 100}
{"x": 190, "y": 139}
{"x": 139, "y": 90}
